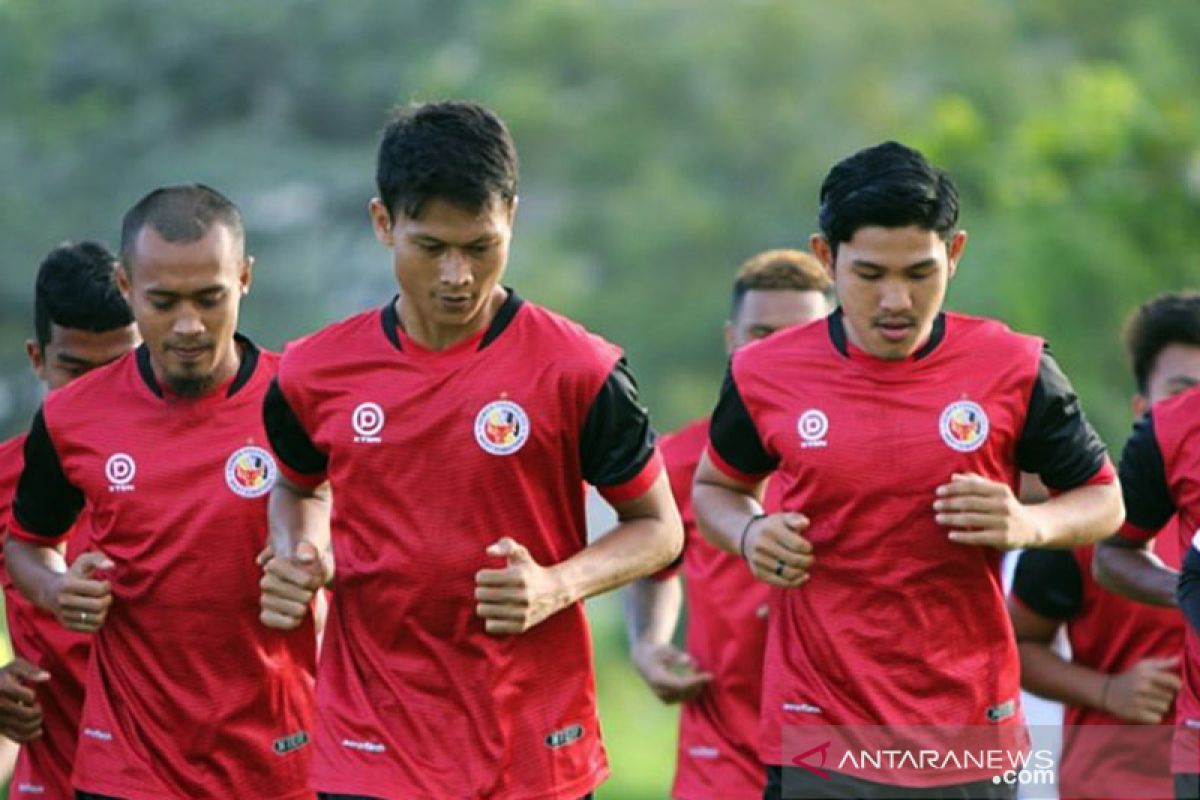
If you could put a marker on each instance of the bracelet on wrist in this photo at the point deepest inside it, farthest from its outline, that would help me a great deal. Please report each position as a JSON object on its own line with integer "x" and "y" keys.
{"x": 745, "y": 530}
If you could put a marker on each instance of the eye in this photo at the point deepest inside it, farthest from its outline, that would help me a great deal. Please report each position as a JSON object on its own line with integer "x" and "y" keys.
{"x": 161, "y": 304}
{"x": 479, "y": 249}
{"x": 869, "y": 275}
{"x": 211, "y": 300}
{"x": 432, "y": 248}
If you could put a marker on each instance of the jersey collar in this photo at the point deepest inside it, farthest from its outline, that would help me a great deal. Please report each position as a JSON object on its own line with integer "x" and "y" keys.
{"x": 512, "y": 304}
{"x": 249, "y": 361}
{"x": 837, "y": 335}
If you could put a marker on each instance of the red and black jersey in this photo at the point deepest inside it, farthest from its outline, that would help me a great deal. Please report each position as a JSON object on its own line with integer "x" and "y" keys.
{"x": 1109, "y": 633}
{"x": 43, "y": 767}
{"x": 897, "y": 626}
{"x": 726, "y": 634}
{"x": 432, "y": 456}
{"x": 188, "y": 694}
{"x": 1160, "y": 478}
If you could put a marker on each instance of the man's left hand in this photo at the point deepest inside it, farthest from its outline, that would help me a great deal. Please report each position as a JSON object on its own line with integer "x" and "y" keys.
{"x": 519, "y": 596}
{"x": 983, "y": 512}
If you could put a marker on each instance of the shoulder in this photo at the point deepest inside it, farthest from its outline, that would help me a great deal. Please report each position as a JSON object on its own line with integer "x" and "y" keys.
{"x": 991, "y": 335}
{"x": 83, "y": 392}
{"x": 799, "y": 343}
{"x": 573, "y": 346}
{"x": 331, "y": 343}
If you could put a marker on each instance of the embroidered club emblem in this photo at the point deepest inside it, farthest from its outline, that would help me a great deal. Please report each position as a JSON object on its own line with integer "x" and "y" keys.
{"x": 250, "y": 472}
{"x": 964, "y": 426}
{"x": 501, "y": 427}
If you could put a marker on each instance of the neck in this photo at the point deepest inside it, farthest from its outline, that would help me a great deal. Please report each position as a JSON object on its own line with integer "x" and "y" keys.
{"x": 434, "y": 335}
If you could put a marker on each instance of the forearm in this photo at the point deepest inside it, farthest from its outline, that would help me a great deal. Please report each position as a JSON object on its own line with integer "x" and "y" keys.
{"x": 1047, "y": 674}
{"x": 296, "y": 514}
{"x": 35, "y": 570}
{"x": 722, "y": 514}
{"x": 633, "y": 549}
{"x": 652, "y": 610}
{"x": 1136, "y": 573}
{"x": 1077, "y": 517}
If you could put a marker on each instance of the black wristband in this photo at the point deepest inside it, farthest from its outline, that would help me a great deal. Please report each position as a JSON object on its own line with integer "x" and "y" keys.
{"x": 742, "y": 541}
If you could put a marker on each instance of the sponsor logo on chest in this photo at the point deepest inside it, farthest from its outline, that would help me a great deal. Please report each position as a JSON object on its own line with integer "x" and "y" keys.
{"x": 250, "y": 472}
{"x": 367, "y": 421}
{"x": 120, "y": 470}
{"x": 813, "y": 426}
{"x": 501, "y": 427}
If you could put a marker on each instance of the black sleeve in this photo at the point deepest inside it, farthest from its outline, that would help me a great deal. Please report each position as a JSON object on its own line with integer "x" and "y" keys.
{"x": 46, "y": 503}
{"x": 616, "y": 441}
{"x": 288, "y": 438}
{"x": 1049, "y": 582}
{"x": 1148, "y": 503}
{"x": 1188, "y": 592}
{"x": 733, "y": 434}
{"x": 1058, "y": 443}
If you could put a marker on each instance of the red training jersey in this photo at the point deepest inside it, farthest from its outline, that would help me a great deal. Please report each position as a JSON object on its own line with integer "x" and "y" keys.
{"x": 432, "y": 457}
{"x": 897, "y": 625}
{"x": 726, "y": 634}
{"x": 188, "y": 694}
{"x": 1160, "y": 479}
{"x": 43, "y": 767}
{"x": 1111, "y": 634}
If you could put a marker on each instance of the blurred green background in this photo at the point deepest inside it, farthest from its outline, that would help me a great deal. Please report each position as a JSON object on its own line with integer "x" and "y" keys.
{"x": 662, "y": 142}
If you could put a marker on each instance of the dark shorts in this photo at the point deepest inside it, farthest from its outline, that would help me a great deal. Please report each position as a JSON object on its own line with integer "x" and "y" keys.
{"x": 1187, "y": 786}
{"x": 801, "y": 783}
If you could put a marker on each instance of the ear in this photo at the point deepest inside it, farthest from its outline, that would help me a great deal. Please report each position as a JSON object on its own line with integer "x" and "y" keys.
{"x": 1140, "y": 405}
{"x": 512, "y": 210}
{"x": 247, "y": 276}
{"x": 123, "y": 282}
{"x": 954, "y": 251}
{"x": 728, "y": 338}
{"x": 819, "y": 246}
{"x": 37, "y": 358}
{"x": 381, "y": 222}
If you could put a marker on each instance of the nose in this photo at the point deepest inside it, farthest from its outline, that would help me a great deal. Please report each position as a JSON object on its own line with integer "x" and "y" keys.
{"x": 894, "y": 296}
{"x": 453, "y": 268}
{"x": 187, "y": 322}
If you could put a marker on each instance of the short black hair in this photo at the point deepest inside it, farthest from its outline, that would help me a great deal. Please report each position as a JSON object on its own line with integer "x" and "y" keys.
{"x": 1168, "y": 319}
{"x": 458, "y": 152}
{"x": 183, "y": 213}
{"x": 889, "y": 185}
{"x": 77, "y": 288}
{"x": 773, "y": 270}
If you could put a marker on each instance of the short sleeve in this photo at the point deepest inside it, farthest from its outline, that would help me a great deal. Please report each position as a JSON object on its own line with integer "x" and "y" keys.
{"x": 300, "y": 460}
{"x": 616, "y": 445}
{"x": 734, "y": 443}
{"x": 1049, "y": 582}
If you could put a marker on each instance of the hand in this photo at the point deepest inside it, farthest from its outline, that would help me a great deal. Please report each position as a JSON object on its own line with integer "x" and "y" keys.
{"x": 1144, "y": 692}
{"x": 775, "y": 550}
{"x": 288, "y": 585}
{"x": 669, "y": 672}
{"x": 983, "y": 512}
{"x": 20, "y": 713}
{"x": 519, "y": 596}
{"x": 79, "y": 598}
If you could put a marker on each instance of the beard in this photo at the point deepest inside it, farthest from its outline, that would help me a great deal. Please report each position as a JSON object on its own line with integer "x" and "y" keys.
{"x": 190, "y": 385}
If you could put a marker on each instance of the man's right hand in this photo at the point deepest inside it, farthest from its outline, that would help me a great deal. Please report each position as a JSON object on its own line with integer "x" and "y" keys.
{"x": 775, "y": 550}
{"x": 78, "y": 597}
{"x": 669, "y": 672}
{"x": 1144, "y": 692}
{"x": 288, "y": 586}
{"x": 20, "y": 714}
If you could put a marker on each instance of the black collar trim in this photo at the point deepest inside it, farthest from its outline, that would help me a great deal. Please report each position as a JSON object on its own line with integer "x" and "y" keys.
{"x": 391, "y": 321}
{"x": 837, "y": 335}
{"x": 249, "y": 362}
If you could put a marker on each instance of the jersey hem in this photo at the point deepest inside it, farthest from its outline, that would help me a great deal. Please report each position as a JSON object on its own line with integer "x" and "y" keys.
{"x": 572, "y": 791}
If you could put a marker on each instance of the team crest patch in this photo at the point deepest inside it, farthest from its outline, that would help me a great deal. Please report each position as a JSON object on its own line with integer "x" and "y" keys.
{"x": 964, "y": 426}
{"x": 502, "y": 427}
{"x": 250, "y": 472}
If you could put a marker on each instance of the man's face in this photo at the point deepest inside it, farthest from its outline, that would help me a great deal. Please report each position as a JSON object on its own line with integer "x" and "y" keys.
{"x": 1176, "y": 369}
{"x": 71, "y": 352}
{"x": 185, "y": 298}
{"x": 890, "y": 283}
{"x": 448, "y": 262}
{"x": 764, "y": 311}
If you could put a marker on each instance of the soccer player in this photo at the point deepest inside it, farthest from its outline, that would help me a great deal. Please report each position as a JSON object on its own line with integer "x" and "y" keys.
{"x": 897, "y": 432}
{"x": 718, "y": 678}
{"x": 1160, "y": 478}
{"x": 456, "y": 426}
{"x": 187, "y": 694}
{"x": 1124, "y": 655}
{"x": 80, "y": 322}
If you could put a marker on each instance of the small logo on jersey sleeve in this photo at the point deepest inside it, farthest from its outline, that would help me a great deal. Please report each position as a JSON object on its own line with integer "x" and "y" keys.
{"x": 964, "y": 426}
{"x": 813, "y": 426}
{"x": 502, "y": 427}
{"x": 120, "y": 470}
{"x": 250, "y": 472}
{"x": 367, "y": 421}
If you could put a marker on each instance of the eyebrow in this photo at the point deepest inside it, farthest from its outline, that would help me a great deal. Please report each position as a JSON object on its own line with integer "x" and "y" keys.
{"x": 169, "y": 293}
{"x": 486, "y": 238}
{"x": 859, "y": 262}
